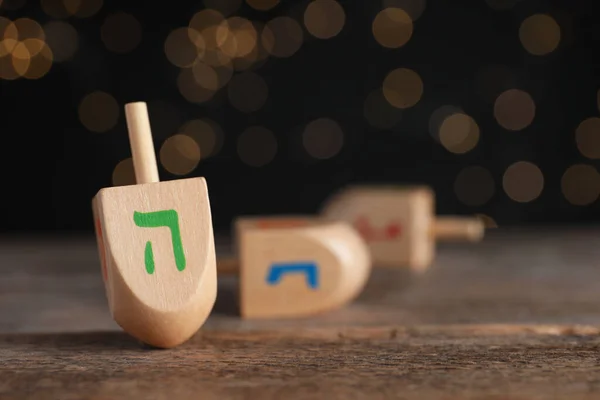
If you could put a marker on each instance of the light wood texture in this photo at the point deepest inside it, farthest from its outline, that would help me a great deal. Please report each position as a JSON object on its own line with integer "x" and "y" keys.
{"x": 399, "y": 223}
{"x": 242, "y": 223}
{"x": 458, "y": 228}
{"x": 156, "y": 248}
{"x": 140, "y": 139}
{"x": 515, "y": 317}
{"x": 300, "y": 271}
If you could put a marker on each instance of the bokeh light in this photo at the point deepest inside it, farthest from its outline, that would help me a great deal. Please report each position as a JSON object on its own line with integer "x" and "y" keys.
{"x": 121, "y": 32}
{"x": 237, "y": 37}
{"x": 514, "y": 109}
{"x": 580, "y": 184}
{"x": 324, "y": 19}
{"x": 258, "y": 54}
{"x": 392, "y": 27}
{"x": 403, "y": 88}
{"x": 262, "y": 5}
{"x": 438, "y": 117}
{"x": 323, "y": 138}
{"x": 180, "y": 154}
{"x": 587, "y": 137}
{"x": 206, "y": 133}
{"x": 99, "y": 112}
{"x": 190, "y": 89}
{"x": 414, "y": 8}
{"x": 257, "y": 146}
{"x": 23, "y": 50}
{"x": 38, "y": 65}
{"x": 474, "y": 186}
{"x": 124, "y": 173}
{"x": 282, "y": 37}
{"x": 183, "y": 46}
{"x": 379, "y": 113}
{"x": 540, "y": 34}
{"x": 523, "y": 181}
{"x": 247, "y": 92}
{"x": 459, "y": 133}
{"x": 63, "y": 40}
{"x": 206, "y": 76}
{"x": 488, "y": 222}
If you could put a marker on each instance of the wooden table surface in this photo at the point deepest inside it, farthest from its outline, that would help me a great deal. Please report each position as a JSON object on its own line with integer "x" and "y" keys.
{"x": 514, "y": 317}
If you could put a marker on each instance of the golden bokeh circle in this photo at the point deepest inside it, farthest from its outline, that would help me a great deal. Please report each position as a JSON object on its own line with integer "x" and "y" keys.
{"x": 459, "y": 133}
{"x": 180, "y": 154}
{"x": 523, "y": 181}
{"x": 124, "y": 173}
{"x": 183, "y": 46}
{"x": 40, "y": 64}
{"x": 282, "y": 37}
{"x": 63, "y": 40}
{"x": 514, "y": 110}
{"x": 205, "y": 134}
{"x": 99, "y": 111}
{"x": 324, "y": 19}
{"x": 323, "y": 138}
{"x": 540, "y": 34}
{"x": 580, "y": 184}
{"x": 392, "y": 27}
{"x": 190, "y": 89}
{"x": 403, "y": 88}
{"x": 587, "y": 137}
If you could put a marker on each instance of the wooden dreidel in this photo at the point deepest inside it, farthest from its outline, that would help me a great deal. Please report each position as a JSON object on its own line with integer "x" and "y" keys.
{"x": 399, "y": 223}
{"x": 156, "y": 247}
{"x": 298, "y": 271}
{"x": 268, "y": 222}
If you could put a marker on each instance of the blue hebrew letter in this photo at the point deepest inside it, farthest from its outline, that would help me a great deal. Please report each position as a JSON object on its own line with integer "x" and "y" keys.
{"x": 309, "y": 269}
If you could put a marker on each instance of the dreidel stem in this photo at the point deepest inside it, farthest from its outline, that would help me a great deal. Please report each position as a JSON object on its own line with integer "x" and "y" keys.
{"x": 458, "y": 228}
{"x": 142, "y": 147}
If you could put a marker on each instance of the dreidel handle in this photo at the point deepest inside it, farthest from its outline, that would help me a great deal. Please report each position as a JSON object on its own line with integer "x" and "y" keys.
{"x": 140, "y": 139}
{"x": 458, "y": 228}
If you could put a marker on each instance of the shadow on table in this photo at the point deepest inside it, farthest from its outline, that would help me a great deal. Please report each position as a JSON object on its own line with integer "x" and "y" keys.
{"x": 381, "y": 283}
{"x": 227, "y": 302}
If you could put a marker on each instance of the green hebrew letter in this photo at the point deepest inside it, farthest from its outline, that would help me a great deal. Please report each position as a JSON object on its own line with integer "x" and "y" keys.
{"x": 156, "y": 219}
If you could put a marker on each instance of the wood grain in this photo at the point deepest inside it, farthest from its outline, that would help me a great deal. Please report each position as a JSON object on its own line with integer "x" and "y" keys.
{"x": 515, "y": 317}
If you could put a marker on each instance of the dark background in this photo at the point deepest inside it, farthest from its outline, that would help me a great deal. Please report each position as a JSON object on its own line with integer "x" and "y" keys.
{"x": 466, "y": 53}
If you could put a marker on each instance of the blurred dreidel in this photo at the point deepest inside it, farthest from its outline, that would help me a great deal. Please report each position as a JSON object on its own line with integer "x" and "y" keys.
{"x": 399, "y": 223}
{"x": 297, "y": 271}
{"x": 156, "y": 247}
